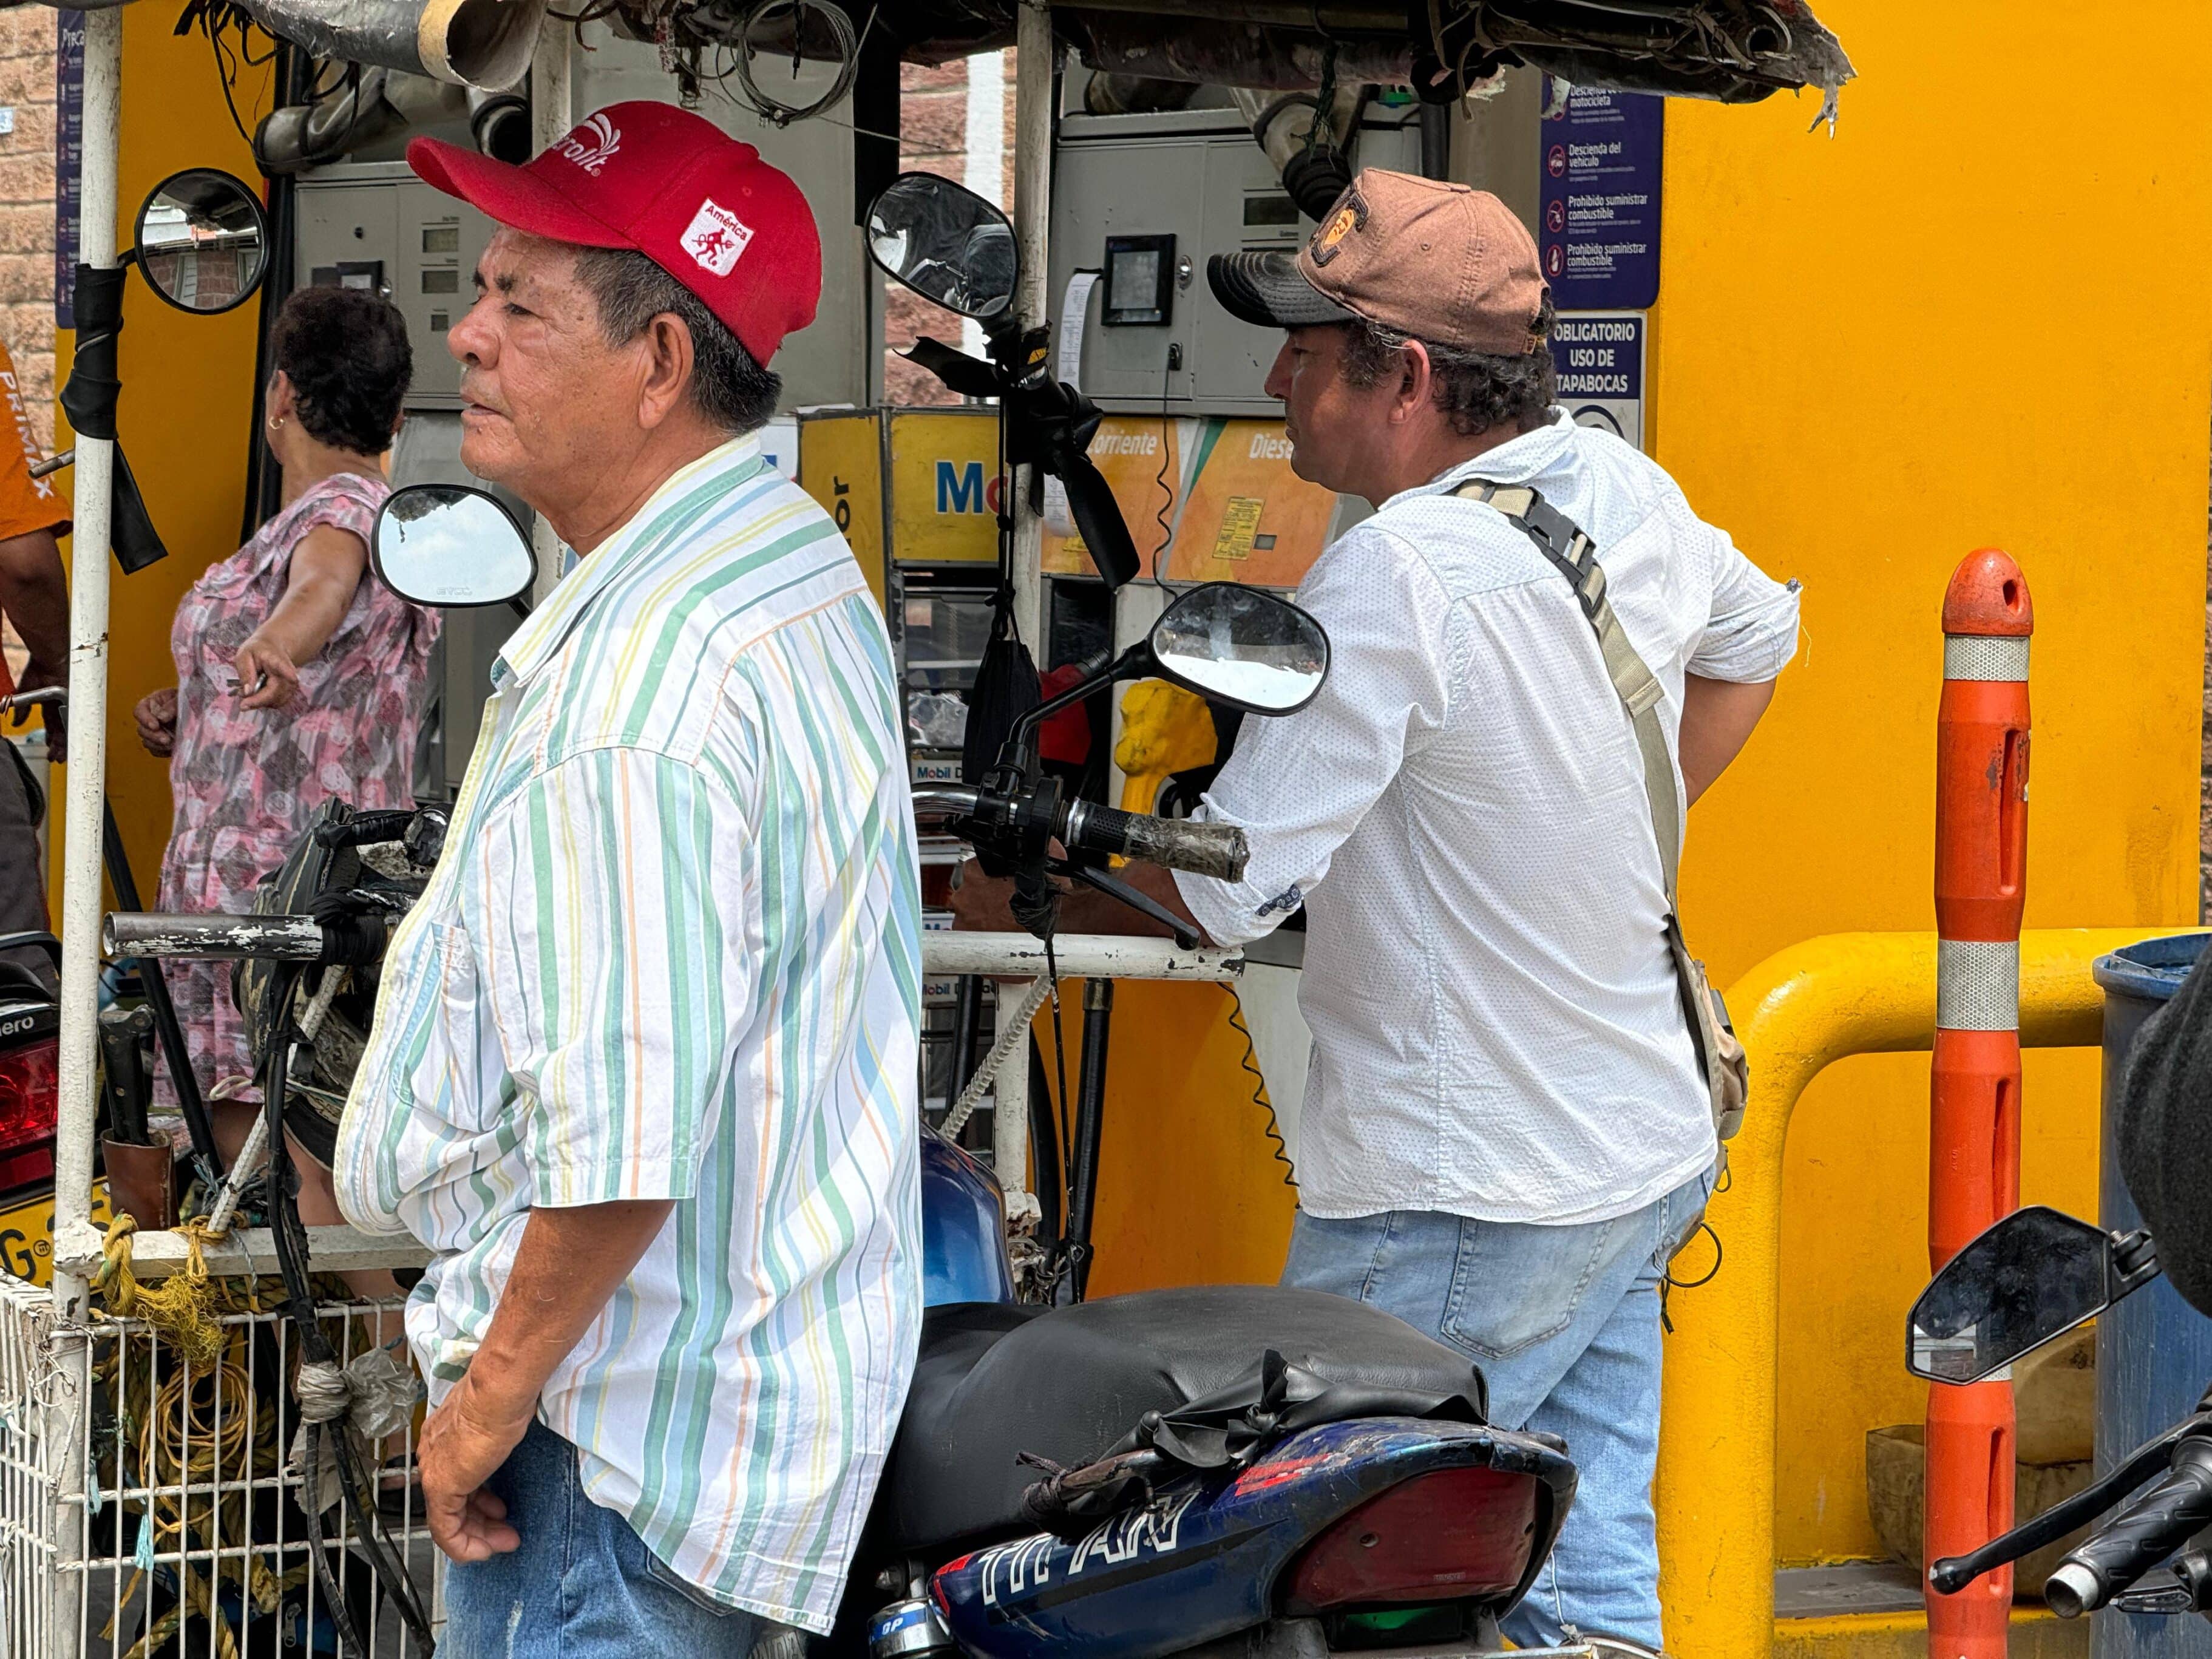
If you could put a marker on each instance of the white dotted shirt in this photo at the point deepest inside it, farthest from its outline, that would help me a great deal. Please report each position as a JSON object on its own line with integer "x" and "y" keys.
{"x": 1498, "y": 1030}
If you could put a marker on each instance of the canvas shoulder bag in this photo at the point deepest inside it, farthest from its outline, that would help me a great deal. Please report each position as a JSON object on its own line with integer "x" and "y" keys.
{"x": 1719, "y": 1054}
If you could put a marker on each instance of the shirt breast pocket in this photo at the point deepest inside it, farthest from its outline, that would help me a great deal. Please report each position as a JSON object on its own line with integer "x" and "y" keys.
{"x": 444, "y": 1032}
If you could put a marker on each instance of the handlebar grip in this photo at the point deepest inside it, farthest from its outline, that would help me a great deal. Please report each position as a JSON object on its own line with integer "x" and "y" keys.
{"x": 1219, "y": 850}
{"x": 2143, "y": 1535}
{"x": 365, "y": 829}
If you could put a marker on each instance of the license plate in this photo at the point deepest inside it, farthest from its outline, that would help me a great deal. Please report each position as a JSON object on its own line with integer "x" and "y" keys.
{"x": 26, "y": 1235}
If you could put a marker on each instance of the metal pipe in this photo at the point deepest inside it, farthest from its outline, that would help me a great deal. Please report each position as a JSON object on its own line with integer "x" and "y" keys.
{"x": 480, "y": 43}
{"x": 214, "y": 938}
{"x": 77, "y": 1106}
{"x": 1034, "y": 54}
{"x": 1090, "y": 1129}
{"x": 1800, "y": 1011}
{"x": 85, "y": 795}
{"x": 1077, "y": 956}
{"x": 552, "y": 112}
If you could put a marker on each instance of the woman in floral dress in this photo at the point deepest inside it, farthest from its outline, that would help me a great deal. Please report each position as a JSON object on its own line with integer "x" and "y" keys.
{"x": 300, "y": 677}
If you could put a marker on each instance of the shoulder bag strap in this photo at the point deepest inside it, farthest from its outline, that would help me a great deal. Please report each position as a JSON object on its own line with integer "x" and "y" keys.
{"x": 1559, "y": 539}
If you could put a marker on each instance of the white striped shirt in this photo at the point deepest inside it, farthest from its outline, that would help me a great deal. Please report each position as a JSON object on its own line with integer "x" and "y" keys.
{"x": 672, "y": 950}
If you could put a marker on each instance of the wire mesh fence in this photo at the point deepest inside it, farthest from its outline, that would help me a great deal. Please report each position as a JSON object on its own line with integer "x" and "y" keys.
{"x": 149, "y": 1505}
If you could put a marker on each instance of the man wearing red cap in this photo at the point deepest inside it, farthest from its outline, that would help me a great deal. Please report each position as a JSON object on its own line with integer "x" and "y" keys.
{"x": 643, "y": 1072}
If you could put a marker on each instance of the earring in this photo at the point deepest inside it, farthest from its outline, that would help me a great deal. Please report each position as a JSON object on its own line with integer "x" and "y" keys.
{"x": 276, "y": 422}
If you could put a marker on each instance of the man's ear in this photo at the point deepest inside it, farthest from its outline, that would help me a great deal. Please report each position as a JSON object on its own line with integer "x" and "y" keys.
{"x": 668, "y": 366}
{"x": 1416, "y": 378}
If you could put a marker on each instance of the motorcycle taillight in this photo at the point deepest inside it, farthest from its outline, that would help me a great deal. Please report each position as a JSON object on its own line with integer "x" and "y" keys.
{"x": 29, "y": 1085}
{"x": 1456, "y": 1534}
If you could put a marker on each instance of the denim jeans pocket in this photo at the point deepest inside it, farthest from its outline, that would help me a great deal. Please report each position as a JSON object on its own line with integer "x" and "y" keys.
{"x": 665, "y": 1575}
{"x": 1514, "y": 1285}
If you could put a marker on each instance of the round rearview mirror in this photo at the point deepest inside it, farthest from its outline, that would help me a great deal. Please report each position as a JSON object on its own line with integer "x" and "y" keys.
{"x": 203, "y": 242}
{"x": 1243, "y": 646}
{"x": 946, "y": 243}
{"x": 451, "y": 546}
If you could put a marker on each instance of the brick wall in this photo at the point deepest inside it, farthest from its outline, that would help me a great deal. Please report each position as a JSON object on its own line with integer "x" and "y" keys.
{"x": 27, "y": 206}
{"x": 27, "y": 222}
{"x": 934, "y": 109}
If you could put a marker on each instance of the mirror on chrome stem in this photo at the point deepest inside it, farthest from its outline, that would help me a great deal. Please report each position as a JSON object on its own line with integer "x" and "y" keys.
{"x": 451, "y": 546}
{"x": 1242, "y": 647}
{"x": 203, "y": 242}
{"x": 946, "y": 243}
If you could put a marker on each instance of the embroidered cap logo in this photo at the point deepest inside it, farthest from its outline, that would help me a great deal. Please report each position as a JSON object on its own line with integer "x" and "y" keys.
{"x": 1341, "y": 223}
{"x": 590, "y": 143}
{"x": 715, "y": 237}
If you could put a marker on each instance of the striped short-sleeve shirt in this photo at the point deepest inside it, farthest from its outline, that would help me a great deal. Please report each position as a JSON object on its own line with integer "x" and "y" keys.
{"x": 672, "y": 950}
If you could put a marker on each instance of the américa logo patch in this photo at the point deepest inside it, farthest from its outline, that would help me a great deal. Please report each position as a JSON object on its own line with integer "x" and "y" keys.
{"x": 715, "y": 237}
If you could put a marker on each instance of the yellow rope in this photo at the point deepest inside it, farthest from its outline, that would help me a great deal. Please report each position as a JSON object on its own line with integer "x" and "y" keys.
{"x": 178, "y": 1305}
{"x": 200, "y": 1427}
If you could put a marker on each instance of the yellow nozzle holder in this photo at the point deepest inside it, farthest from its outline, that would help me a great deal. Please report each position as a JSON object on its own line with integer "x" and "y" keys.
{"x": 1164, "y": 730}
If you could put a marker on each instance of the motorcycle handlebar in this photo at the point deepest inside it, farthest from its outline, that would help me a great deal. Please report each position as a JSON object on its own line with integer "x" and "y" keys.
{"x": 364, "y": 829}
{"x": 2143, "y": 1535}
{"x": 222, "y": 939}
{"x": 1219, "y": 850}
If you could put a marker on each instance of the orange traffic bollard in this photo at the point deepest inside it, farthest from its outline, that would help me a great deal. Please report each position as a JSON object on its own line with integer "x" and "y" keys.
{"x": 1973, "y": 1166}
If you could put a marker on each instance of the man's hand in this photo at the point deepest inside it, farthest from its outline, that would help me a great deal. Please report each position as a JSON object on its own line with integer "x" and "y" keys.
{"x": 569, "y": 1263}
{"x": 983, "y": 903}
{"x": 267, "y": 678}
{"x": 37, "y": 676}
{"x": 157, "y": 715}
{"x": 462, "y": 1447}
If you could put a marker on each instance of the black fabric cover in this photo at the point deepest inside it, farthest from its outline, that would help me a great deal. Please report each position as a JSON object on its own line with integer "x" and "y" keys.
{"x": 2165, "y": 1133}
{"x": 1068, "y": 1383}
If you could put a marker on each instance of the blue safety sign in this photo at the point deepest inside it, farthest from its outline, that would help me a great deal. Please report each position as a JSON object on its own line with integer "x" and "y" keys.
{"x": 1600, "y": 160}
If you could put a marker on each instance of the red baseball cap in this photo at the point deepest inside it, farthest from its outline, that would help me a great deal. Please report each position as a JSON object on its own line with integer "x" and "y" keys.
{"x": 673, "y": 186}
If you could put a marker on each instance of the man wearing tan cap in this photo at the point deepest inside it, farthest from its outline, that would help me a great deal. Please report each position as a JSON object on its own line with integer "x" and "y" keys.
{"x": 1506, "y": 1131}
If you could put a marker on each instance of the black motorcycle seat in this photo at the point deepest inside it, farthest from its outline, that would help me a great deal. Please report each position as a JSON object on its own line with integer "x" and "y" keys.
{"x": 1066, "y": 1383}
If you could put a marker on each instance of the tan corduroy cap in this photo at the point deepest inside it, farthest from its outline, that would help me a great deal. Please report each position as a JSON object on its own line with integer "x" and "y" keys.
{"x": 1440, "y": 262}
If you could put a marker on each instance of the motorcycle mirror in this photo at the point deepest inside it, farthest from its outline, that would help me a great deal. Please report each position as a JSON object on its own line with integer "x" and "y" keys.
{"x": 451, "y": 546}
{"x": 2034, "y": 1276}
{"x": 946, "y": 243}
{"x": 203, "y": 240}
{"x": 1242, "y": 647}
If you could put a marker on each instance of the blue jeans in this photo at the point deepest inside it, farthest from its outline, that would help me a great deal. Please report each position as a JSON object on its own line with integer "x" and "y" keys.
{"x": 583, "y": 1585}
{"x": 1563, "y": 1323}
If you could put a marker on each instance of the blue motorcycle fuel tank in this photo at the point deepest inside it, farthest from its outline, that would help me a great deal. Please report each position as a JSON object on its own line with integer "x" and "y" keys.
{"x": 963, "y": 1228}
{"x": 1206, "y": 1557}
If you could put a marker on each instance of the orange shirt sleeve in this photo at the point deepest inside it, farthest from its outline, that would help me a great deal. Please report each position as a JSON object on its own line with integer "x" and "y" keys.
{"x": 26, "y": 503}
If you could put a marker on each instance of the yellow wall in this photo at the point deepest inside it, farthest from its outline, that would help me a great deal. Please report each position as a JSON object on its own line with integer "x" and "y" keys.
{"x": 1982, "y": 314}
{"x": 187, "y": 394}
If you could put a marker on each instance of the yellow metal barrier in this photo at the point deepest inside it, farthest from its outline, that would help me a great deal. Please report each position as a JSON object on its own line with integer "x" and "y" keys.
{"x": 1798, "y": 1011}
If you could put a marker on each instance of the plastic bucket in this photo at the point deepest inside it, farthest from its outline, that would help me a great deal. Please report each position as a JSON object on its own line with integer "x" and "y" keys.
{"x": 2154, "y": 1351}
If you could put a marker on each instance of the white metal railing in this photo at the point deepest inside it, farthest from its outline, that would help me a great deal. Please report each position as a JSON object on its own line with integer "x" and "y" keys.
{"x": 1017, "y": 960}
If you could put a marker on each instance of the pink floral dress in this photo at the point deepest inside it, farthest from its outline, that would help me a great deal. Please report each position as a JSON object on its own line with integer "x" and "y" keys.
{"x": 246, "y": 781}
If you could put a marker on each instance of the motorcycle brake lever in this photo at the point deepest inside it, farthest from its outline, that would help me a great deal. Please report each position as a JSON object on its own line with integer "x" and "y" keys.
{"x": 1186, "y": 936}
{"x": 1953, "y": 1573}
